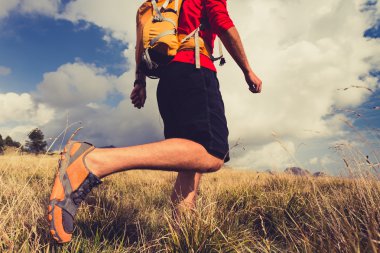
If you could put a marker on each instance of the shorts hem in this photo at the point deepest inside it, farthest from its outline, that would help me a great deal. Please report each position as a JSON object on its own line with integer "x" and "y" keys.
{"x": 223, "y": 156}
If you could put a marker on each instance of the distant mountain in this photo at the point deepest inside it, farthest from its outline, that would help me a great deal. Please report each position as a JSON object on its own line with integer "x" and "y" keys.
{"x": 319, "y": 174}
{"x": 271, "y": 172}
{"x": 297, "y": 171}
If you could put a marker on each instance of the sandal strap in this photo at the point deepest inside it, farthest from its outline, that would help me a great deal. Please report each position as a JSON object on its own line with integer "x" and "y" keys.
{"x": 68, "y": 204}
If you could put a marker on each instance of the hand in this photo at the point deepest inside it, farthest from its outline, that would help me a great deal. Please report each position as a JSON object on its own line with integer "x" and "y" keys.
{"x": 138, "y": 96}
{"x": 253, "y": 82}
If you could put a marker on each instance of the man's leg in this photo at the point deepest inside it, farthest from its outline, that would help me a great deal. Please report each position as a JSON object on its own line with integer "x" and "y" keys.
{"x": 184, "y": 195}
{"x": 171, "y": 155}
{"x": 185, "y": 190}
{"x": 74, "y": 180}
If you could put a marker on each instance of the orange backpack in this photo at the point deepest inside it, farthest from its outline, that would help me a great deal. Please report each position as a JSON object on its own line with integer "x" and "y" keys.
{"x": 158, "y": 40}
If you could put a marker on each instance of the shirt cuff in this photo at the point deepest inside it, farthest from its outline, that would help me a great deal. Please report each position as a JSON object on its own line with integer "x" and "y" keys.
{"x": 223, "y": 27}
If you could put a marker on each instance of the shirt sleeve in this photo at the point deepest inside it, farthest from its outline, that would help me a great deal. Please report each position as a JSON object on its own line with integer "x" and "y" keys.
{"x": 218, "y": 16}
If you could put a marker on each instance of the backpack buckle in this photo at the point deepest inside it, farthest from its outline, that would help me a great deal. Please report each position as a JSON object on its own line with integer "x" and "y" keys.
{"x": 157, "y": 18}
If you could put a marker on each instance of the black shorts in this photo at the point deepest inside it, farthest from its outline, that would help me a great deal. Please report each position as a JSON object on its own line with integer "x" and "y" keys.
{"x": 192, "y": 108}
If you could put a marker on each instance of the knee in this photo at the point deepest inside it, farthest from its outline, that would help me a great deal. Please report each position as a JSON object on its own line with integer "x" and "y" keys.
{"x": 214, "y": 164}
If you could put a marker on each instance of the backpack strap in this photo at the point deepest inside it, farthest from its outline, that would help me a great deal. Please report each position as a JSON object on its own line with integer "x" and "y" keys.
{"x": 157, "y": 11}
{"x": 220, "y": 57}
{"x": 165, "y": 33}
{"x": 150, "y": 64}
{"x": 158, "y": 16}
{"x": 165, "y": 5}
{"x": 197, "y": 50}
{"x": 195, "y": 34}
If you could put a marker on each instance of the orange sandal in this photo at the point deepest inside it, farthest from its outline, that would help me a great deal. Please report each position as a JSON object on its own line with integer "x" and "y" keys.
{"x": 72, "y": 184}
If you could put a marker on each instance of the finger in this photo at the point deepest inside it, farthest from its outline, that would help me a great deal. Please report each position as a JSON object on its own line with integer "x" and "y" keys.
{"x": 259, "y": 88}
{"x": 136, "y": 99}
{"x": 139, "y": 102}
{"x": 133, "y": 91}
{"x": 133, "y": 94}
{"x": 252, "y": 87}
{"x": 136, "y": 91}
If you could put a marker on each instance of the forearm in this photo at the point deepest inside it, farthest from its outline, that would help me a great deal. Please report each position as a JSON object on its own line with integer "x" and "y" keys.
{"x": 232, "y": 42}
{"x": 140, "y": 76}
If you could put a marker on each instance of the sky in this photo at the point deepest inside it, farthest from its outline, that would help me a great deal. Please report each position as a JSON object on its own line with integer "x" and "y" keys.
{"x": 72, "y": 62}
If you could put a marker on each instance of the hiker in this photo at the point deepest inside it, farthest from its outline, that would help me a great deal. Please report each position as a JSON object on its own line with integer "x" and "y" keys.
{"x": 192, "y": 110}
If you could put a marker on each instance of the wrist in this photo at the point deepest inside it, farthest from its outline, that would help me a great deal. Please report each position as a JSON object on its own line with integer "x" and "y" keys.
{"x": 139, "y": 75}
{"x": 139, "y": 82}
{"x": 247, "y": 70}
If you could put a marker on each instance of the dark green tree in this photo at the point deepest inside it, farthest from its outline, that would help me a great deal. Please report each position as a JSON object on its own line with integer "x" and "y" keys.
{"x": 8, "y": 141}
{"x": 11, "y": 143}
{"x": 16, "y": 144}
{"x": 36, "y": 143}
{"x": 1, "y": 145}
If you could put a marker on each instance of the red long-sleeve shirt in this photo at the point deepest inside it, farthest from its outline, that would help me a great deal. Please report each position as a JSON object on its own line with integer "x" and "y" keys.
{"x": 214, "y": 17}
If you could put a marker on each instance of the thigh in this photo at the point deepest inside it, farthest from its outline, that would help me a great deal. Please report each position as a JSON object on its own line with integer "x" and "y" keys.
{"x": 182, "y": 99}
{"x": 191, "y": 107}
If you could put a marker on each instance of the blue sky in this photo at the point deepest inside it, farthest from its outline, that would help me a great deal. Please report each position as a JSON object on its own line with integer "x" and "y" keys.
{"x": 74, "y": 59}
{"x": 32, "y": 45}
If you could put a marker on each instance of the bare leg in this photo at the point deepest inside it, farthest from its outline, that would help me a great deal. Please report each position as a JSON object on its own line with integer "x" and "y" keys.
{"x": 185, "y": 189}
{"x": 170, "y": 155}
{"x": 184, "y": 193}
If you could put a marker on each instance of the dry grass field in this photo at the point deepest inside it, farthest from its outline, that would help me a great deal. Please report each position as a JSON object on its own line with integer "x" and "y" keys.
{"x": 237, "y": 211}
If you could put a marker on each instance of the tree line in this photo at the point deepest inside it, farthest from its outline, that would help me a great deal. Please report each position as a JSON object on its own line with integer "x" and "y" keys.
{"x": 35, "y": 143}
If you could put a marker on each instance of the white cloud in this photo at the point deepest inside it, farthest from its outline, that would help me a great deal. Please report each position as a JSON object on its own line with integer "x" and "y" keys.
{"x": 79, "y": 91}
{"x": 314, "y": 160}
{"x": 20, "y": 114}
{"x": 22, "y": 108}
{"x": 4, "y": 71}
{"x": 115, "y": 16}
{"x": 45, "y": 7}
{"x": 6, "y": 6}
{"x": 75, "y": 84}
{"x": 274, "y": 155}
{"x": 18, "y": 133}
{"x": 326, "y": 160}
{"x": 304, "y": 51}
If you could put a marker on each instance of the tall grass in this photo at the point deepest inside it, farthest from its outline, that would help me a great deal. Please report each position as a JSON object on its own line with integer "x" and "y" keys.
{"x": 237, "y": 211}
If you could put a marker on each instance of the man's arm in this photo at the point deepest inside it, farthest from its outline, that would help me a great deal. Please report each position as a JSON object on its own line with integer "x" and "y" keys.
{"x": 138, "y": 94}
{"x": 223, "y": 26}
{"x": 232, "y": 42}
